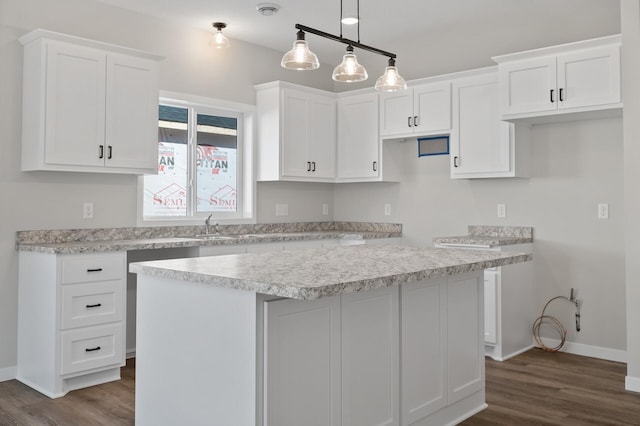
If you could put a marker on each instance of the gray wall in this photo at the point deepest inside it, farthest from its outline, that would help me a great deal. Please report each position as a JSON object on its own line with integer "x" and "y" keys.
{"x": 431, "y": 203}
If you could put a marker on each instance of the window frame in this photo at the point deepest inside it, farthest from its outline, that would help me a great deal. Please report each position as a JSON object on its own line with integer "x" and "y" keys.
{"x": 246, "y": 186}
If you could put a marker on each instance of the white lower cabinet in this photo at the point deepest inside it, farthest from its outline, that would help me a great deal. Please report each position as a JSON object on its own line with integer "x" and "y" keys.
{"x": 71, "y": 321}
{"x": 407, "y": 355}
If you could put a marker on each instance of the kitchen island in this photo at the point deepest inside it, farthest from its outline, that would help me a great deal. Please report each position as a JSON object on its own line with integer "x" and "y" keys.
{"x": 363, "y": 335}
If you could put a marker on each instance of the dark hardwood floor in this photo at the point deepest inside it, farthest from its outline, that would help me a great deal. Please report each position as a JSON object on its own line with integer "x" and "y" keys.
{"x": 535, "y": 388}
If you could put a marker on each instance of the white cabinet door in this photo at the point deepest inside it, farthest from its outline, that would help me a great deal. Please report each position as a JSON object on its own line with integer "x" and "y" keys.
{"x": 294, "y": 157}
{"x": 465, "y": 335}
{"x": 490, "y": 307}
{"x": 358, "y": 141}
{"x": 528, "y": 86}
{"x": 74, "y": 105}
{"x": 370, "y": 358}
{"x": 396, "y": 113}
{"x": 481, "y": 144}
{"x": 308, "y": 135}
{"x": 432, "y": 108}
{"x": 132, "y": 113}
{"x": 589, "y": 77}
{"x": 321, "y": 137}
{"x": 424, "y": 340}
{"x": 302, "y": 362}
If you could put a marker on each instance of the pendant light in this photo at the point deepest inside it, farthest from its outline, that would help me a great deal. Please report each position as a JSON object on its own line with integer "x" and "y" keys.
{"x": 349, "y": 70}
{"x": 219, "y": 41}
{"x": 300, "y": 57}
{"x": 391, "y": 81}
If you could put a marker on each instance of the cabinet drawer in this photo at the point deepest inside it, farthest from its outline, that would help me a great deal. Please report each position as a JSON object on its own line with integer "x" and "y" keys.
{"x": 93, "y": 347}
{"x": 93, "y": 267}
{"x": 92, "y": 304}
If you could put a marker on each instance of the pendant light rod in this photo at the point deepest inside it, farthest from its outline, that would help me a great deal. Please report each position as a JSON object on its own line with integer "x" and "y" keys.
{"x": 345, "y": 41}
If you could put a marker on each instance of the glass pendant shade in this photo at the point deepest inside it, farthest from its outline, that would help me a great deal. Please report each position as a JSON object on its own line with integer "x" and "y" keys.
{"x": 349, "y": 70}
{"x": 219, "y": 41}
{"x": 300, "y": 57}
{"x": 391, "y": 81}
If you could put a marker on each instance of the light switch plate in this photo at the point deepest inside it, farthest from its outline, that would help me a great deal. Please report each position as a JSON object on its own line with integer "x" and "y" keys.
{"x": 603, "y": 211}
{"x": 387, "y": 209}
{"x": 325, "y": 209}
{"x": 87, "y": 210}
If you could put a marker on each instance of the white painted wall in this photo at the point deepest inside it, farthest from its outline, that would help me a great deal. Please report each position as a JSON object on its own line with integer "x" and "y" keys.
{"x": 575, "y": 166}
{"x": 631, "y": 85}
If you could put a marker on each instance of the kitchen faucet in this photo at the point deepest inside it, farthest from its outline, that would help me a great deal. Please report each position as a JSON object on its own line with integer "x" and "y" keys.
{"x": 207, "y": 224}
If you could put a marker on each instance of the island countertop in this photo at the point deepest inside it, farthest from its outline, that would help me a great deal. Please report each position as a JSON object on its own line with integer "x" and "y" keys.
{"x": 316, "y": 273}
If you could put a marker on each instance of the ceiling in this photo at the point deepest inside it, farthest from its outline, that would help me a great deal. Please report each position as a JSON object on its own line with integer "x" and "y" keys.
{"x": 391, "y": 25}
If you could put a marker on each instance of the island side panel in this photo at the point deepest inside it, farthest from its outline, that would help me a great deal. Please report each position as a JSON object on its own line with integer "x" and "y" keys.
{"x": 196, "y": 354}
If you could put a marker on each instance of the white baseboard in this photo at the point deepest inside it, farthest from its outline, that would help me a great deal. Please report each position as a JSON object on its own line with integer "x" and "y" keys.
{"x": 616, "y": 355}
{"x": 8, "y": 373}
{"x": 632, "y": 384}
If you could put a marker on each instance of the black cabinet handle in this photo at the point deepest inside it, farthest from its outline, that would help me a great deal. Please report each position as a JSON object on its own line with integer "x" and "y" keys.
{"x": 409, "y": 121}
{"x": 100, "y": 151}
{"x": 110, "y": 156}
{"x": 551, "y": 95}
{"x": 96, "y": 305}
{"x": 95, "y": 270}
{"x": 314, "y": 166}
{"x": 455, "y": 161}
{"x": 97, "y": 348}
{"x": 415, "y": 121}
{"x": 308, "y": 166}
{"x": 375, "y": 166}
{"x": 561, "y": 95}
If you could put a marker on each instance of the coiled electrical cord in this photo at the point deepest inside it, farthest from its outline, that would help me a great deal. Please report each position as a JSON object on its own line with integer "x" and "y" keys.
{"x": 555, "y": 323}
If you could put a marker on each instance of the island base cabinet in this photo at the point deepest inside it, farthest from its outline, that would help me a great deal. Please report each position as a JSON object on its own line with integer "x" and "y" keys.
{"x": 398, "y": 355}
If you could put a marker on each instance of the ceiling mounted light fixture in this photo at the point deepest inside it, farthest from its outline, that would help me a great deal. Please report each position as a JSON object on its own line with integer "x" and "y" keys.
{"x": 219, "y": 41}
{"x": 301, "y": 58}
{"x": 267, "y": 9}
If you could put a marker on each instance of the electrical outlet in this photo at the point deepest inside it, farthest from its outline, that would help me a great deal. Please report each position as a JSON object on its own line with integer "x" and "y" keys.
{"x": 387, "y": 209}
{"x": 603, "y": 211}
{"x": 87, "y": 210}
{"x": 282, "y": 209}
{"x": 502, "y": 211}
{"x": 325, "y": 209}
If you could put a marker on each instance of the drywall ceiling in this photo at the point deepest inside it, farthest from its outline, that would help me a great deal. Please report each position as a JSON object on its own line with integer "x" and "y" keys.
{"x": 398, "y": 26}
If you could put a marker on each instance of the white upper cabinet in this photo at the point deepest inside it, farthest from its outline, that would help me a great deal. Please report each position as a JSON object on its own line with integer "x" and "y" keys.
{"x": 423, "y": 110}
{"x": 296, "y": 133}
{"x": 88, "y": 106}
{"x": 574, "y": 78}
{"x": 358, "y": 141}
{"x": 482, "y": 146}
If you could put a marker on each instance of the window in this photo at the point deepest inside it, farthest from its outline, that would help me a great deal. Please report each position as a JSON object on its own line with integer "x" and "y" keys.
{"x": 201, "y": 171}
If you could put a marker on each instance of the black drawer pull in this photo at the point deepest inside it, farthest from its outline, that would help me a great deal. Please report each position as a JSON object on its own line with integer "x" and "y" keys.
{"x": 97, "y": 348}
{"x": 97, "y": 305}
{"x": 95, "y": 270}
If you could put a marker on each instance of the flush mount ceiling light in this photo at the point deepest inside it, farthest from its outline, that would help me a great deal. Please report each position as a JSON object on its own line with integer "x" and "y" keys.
{"x": 301, "y": 58}
{"x": 219, "y": 41}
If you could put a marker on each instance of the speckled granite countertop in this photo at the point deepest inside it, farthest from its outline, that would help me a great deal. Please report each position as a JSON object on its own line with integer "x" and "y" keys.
{"x": 311, "y": 274}
{"x": 490, "y": 236}
{"x": 123, "y": 239}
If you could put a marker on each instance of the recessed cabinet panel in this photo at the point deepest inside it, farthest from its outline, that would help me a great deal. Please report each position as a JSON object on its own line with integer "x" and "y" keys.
{"x": 396, "y": 110}
{"x": 465, "y": 337}
{"x": 132, "y": 113}
{"x": 526, "y": 86}
{"x": 75, "y": 105}
{"x": 294, "y": 134}
{"x": 432, "y": 107}
{"x": 358, "y": 141}
{"x": 588, "y": 78}
{"x": 322, "y": 137}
